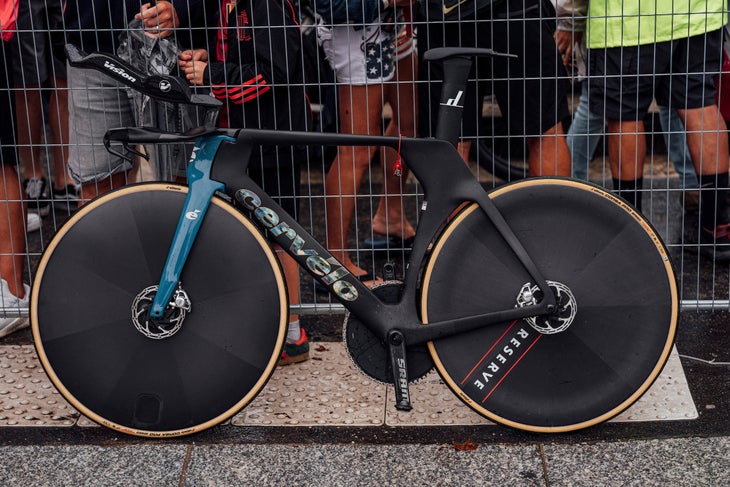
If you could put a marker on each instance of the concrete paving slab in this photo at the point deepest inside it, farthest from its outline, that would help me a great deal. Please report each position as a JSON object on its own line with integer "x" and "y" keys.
{"x": 27, "y": 396}
{"x": 362, "y": 465}
{"x": 328, "y": 390}
{"x": 675, "y": 462}
{"x": 80, "y": 466}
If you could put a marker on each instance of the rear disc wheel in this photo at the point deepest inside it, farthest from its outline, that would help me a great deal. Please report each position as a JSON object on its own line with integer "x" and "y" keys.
{"x": 618, "y": 298}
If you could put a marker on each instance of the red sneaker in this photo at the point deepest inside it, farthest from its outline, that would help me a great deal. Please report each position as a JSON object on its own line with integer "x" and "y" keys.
{"x": 296, "y": 352}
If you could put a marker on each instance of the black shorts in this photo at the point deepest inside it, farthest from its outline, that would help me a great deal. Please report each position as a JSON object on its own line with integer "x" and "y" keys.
{"x": 39, "y": 25}
{"x": 8, "y": 144}
{"x": 531, "y": 90}
{"x": 679, "y": 74}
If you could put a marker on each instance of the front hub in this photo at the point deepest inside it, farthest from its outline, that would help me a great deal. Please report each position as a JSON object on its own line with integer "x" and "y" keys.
{"x": 171, "y": 320}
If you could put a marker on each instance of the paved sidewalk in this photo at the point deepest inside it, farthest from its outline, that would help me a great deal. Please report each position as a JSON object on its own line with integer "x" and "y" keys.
{"x": 673, "y": 462}
{"x": 324, "y": 423}
{"x": 327, "y": 390}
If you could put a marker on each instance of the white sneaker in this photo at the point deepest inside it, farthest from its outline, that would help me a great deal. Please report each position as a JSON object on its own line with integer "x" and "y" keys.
{"x": 33, "y": 224}
{"x": 10, "y": 305}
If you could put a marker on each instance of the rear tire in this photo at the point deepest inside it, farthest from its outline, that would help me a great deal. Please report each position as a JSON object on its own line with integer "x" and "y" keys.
{"x": 617, "y": 269}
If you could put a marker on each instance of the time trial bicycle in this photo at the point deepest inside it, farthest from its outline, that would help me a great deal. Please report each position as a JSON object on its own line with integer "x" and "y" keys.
{"x": 160, "y": 309}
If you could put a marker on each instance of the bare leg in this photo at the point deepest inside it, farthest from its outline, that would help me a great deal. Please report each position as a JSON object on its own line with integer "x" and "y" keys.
{"x": 360, "y": 110}
{"x": 549, "y": 154}
{"x": 389, "y": 218}
{"x": 93, "y": 189}
{"x": 626, "y": 149}
{"x": 291, "y": 274}
{"x": 708, "y": 144}
{"x": 707, "y": 139}
{"x": 30, "y": 130}
{"x": 12, "y": 229}
{"x": 58, "y": 115}
{"x": 464, "y": 147}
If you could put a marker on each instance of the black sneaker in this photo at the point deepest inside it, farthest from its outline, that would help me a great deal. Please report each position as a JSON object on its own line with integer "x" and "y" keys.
{"x": 66, "y": 198}
{"x": 38, "y": 195}
{"x": 715, "y": 244}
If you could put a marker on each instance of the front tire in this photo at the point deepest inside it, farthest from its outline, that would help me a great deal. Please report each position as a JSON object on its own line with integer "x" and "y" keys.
{"x": 81, "y": 314}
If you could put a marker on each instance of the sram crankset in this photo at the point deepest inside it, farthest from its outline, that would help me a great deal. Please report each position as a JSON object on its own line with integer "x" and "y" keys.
{"x": 371, "y": 354}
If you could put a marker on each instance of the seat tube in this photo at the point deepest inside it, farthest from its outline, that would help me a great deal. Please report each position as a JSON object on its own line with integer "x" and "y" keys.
{"x": 456, "y": 72}
{"x": 202, "y": 189}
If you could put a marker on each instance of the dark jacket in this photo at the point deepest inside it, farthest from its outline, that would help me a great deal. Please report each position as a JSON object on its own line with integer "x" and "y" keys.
{"x": 255, "y": 68}
{"x": 94, "y": 25}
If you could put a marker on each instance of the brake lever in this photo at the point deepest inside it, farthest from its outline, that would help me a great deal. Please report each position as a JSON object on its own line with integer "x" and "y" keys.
{"x": 128, "y": 148}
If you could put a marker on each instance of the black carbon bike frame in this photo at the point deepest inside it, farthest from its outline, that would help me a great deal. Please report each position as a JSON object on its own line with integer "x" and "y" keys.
{"x": 435, "y": 163}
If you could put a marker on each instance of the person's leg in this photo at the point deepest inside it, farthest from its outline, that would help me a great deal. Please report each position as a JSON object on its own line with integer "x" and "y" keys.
{"x": 622, "y": 87}
{"x": 29, "y": 106}
{"x": 58, "y": 115}
{"x": 389, "y": 218}
{"x": 548, "y": 154}
{"x": 14, "y": 295}
{"x": 532, "y": 88}
{"x": 583, "y": 135}
{"x": 12, "y": 209}
{"x": 675, "y": 137}
{"x": 12, "y": 229}
{"x": 708, "y": 145}
{"x": 692, "y": 87}
{"x": 360, "y": 108}
{"x": 281, "y": 182}
{"x": 626, "y": 153}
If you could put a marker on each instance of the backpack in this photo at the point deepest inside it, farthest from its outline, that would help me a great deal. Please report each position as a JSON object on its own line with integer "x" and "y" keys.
{"x": 349, "y": 11}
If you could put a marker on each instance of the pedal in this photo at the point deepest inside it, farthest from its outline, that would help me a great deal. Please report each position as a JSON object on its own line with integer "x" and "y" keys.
{"x": 399, "y": 365}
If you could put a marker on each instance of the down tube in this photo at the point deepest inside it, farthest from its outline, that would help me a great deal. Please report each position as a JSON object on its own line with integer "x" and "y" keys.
{"x": 282, "y": 229}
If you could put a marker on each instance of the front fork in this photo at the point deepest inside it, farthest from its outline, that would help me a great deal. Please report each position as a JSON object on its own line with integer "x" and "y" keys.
{"x": 202, "y": 189}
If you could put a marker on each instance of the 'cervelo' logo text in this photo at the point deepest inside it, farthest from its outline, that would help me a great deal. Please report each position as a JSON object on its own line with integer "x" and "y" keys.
{"x": 329, "y": 270}
{"x": 120, "y": 71}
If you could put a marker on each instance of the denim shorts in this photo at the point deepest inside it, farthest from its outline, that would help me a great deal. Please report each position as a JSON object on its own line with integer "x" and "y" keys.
{"x": 679, "y": 74}
{"x": 96, "y": 103}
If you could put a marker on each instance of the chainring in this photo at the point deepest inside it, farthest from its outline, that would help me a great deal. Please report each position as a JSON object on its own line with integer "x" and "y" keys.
{"x": 371, "y": 355}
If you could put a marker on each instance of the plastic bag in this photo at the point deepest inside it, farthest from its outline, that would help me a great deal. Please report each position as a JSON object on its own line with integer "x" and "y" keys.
{"x": 152, "y": 55}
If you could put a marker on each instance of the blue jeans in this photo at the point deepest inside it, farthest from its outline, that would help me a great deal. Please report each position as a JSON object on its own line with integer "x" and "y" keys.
{"x": 675, "y": 136}
{"x": 583, "y": 136}
{"x": 587, "y": 128}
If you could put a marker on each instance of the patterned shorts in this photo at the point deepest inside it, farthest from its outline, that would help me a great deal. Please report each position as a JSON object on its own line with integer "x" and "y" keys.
{"x": 362, "y": 55}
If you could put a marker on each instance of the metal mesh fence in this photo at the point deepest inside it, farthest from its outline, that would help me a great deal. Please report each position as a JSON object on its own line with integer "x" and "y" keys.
{"x": 517, "y": 115}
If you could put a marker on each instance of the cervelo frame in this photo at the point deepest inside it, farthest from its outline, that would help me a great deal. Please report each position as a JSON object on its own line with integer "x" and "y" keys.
{"x": 434, "y": 162}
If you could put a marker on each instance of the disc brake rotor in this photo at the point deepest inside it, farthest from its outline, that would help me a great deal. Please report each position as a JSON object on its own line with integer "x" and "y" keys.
{"x": 172, "y": 319}
{"x": 372, "y": 355}
{"x": 530, "y": 295}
